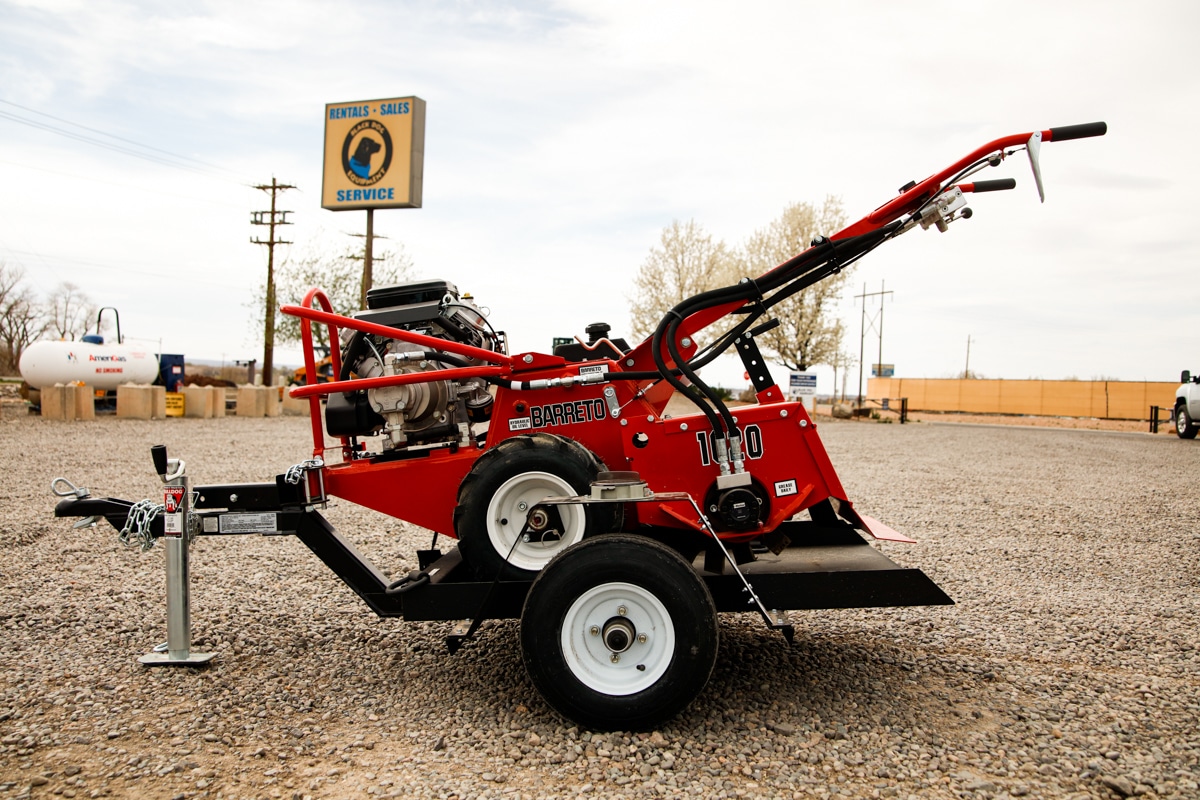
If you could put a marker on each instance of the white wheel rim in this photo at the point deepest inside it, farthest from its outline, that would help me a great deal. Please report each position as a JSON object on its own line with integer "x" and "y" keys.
{"x": 589, "y": 657}
{"x": 509, "y": 508}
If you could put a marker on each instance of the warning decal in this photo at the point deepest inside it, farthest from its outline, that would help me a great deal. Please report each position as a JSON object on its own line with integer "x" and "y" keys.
{"x": 248, "y": 523}
{"x": 172, "y": 498}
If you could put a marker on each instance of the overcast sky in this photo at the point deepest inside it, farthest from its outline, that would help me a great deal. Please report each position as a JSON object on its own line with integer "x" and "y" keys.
{"x": 561, "y": 138}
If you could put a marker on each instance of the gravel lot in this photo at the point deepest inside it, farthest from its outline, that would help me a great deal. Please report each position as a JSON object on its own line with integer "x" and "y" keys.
{"x": 1068, "y": 668}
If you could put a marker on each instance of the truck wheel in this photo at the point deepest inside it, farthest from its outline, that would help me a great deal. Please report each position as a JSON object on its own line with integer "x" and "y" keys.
{"x": 508, "y": 480}
{"x": 1185, "y": 427}
{"x": 619, "y": 632}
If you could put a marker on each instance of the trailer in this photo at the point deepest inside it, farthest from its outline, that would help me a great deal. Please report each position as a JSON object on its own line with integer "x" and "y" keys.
{"x": 614, "y": 532}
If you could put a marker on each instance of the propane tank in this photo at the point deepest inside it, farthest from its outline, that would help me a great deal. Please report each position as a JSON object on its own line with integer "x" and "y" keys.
{"x": 99, "y": 365}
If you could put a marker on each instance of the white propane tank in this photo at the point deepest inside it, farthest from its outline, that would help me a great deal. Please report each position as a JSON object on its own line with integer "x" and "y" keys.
{"x": 101, "y": 366}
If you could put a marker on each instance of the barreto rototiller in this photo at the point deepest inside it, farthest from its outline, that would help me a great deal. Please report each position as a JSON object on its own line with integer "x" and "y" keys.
{"x": 614, "y": 532}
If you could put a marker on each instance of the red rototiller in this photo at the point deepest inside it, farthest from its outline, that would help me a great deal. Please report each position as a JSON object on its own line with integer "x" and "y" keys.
{"x": 614, "y": 532}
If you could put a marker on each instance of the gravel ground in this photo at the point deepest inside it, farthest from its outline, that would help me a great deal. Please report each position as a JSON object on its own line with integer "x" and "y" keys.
{"x": 1068, "y": 668}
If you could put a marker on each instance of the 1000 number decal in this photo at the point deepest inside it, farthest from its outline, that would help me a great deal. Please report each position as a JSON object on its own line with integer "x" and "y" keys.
{"x": 752, "y": 441}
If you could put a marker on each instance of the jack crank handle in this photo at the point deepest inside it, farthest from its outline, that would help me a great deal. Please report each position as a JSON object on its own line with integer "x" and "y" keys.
{"x": 159, "y": 453}
{"x": 1087, "y": 129}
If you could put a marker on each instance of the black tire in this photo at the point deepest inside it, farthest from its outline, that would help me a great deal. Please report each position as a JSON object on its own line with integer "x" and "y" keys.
{"x": 1185, "y": 426}
{"x": 504, "y": 482}
{"x": 624, "y": 586}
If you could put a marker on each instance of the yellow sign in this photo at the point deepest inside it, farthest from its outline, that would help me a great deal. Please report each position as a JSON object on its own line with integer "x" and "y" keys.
{"x": 175, "y": 404}
{"x": 374, "y": 154}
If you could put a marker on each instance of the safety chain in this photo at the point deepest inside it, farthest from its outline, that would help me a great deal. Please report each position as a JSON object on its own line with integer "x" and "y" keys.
{"x": 137, "y": 525}
{"x": 296, "y": 472}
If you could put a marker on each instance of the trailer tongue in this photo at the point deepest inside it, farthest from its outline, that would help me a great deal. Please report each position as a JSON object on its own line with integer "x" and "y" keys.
{"x": 614, "y": 532}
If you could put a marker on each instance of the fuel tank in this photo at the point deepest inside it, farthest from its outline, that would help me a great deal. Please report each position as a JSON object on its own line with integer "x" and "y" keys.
{"x": 101, "y": 366}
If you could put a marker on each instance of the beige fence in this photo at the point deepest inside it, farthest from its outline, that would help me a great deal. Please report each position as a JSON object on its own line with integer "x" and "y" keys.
{"x": 1100, "y": 399}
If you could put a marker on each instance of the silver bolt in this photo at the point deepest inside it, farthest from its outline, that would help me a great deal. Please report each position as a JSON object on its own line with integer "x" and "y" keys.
{"x": 642, "y": 638}
{"x": 686, "y": 342}
{"x": 783, "y": 413}
{"x": 683, "y": 426}
{"x": 526, "y": 539}
{"x": 522, "y": 506}
{"x": 803, "y": 423}
{"x": 624, "y": 422}
{"x": 616, "y": 657}
{"x": 629, "y": 362}
{"x": 233, "y": 498}
{"x": 595, "y": 631}
{"x": 528, "y": 359}
{"x": 622, "y": 611}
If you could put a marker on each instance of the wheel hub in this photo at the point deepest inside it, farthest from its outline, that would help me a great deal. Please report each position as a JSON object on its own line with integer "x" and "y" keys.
{"x": 619, "y": 634}
{"x": 618, "y": 638}
{"x": 532, "y": 539}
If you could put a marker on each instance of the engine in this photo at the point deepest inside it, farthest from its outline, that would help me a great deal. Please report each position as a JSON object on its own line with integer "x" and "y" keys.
{"x": 431, "y": 411}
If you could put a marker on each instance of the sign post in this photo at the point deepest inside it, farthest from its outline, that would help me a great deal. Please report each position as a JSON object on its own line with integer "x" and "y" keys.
{"x": 374, "y": 158}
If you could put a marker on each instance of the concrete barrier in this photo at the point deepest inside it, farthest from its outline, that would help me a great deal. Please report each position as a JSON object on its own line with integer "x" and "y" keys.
{"x": 58, "y": 401}
{"x": 273, "y": 404}
{"x": 251, "y": 402}
{"x": 85, "y": 402}
{"x": 197, "y": 402}
{"x": 258, "y": 401}
{"x": 136, "y": 401}
{"x": 294, "y": 406}
{"x": 216, "y": 400}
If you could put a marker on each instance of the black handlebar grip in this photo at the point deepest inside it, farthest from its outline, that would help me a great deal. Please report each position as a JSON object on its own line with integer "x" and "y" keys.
{"x": 999, "y": 185}
{"x": 159, "y": 453}
{"x": 1078, "y": 131}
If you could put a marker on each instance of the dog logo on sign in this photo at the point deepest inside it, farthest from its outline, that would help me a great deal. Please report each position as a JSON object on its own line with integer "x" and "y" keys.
{"x": 365, "y": 141}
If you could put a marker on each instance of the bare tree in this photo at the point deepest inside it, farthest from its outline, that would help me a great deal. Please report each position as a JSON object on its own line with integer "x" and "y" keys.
{"x": 687, "y": 261}
{"x": 21, "y": 319}
{"x": 338, "y": 274}
{"x": 808, "y": 332}
{"x": 69, "y": 312}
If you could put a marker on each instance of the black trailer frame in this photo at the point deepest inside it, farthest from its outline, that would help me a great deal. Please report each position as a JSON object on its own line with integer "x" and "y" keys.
{"x": 825, "y": 566}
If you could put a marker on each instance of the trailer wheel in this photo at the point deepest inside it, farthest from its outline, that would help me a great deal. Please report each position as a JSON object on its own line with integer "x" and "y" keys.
{"x": 619, "y": 632}
{"x": 505, "y": 482}
{"x": 1185, "y": 426}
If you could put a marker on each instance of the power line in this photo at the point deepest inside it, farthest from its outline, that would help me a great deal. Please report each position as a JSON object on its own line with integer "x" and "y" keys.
{"x": 164, "y": 157}
{"x": 78, "y": 177}
{"x": 51, "y": 261}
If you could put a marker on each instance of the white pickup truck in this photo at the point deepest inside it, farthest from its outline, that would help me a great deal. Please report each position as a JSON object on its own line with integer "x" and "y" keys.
{"x": 1187, "y": 406}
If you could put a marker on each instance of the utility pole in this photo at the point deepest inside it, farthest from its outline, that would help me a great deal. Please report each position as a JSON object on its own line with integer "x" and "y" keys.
{"x": 270, "y": 219}
{"x": 876, "y": 321}
{"x": 967, "y": 370}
